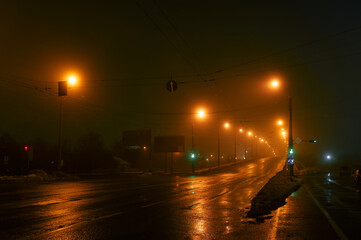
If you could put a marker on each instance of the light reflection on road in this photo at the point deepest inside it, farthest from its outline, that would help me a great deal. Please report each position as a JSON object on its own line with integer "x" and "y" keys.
{"x": 205, "y": 206}
{"x": 218, "y": 199}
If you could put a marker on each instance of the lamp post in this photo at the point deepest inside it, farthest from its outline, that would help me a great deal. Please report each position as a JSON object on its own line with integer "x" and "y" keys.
{"x": 275, "y": 84}
{"x": 235, "y": 143}
{"x": 200, "y": 114}
{"x": 62, "y": 92}
{"x": 226, "y": 125}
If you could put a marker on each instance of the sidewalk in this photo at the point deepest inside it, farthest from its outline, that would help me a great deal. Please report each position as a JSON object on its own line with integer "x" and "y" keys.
{"x": 301, "y": 218}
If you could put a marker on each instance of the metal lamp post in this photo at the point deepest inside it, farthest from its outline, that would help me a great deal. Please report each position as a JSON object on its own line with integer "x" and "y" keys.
{"x": 62, "y": 91}
{"x": 290, "y": 159}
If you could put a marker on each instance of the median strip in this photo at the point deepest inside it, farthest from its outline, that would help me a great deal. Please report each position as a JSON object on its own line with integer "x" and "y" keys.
{"x": 273, "y": 194}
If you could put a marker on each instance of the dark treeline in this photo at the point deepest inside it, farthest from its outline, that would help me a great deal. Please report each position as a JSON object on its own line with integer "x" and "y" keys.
{"x": 87, "y": 154}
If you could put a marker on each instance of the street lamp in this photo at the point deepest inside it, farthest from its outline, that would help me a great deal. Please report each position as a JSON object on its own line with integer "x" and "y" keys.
{"x": 200, "y": 114}
{"x": 275, "y": 84}
{"x": 250, "y": 134}
{"x": 235, "y": 143}
{"x": 62, "y": 92}
{"x": 245, "y": 142}
{"x": 226, "y": 125}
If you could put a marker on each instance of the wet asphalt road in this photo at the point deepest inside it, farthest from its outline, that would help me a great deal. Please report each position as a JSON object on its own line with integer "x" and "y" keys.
{"x": 211, "y": 205}
{"x": 340, "y": 199}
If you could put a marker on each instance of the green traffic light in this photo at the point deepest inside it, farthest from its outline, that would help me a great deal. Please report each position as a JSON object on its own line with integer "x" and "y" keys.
{"x": 193, "y": 155}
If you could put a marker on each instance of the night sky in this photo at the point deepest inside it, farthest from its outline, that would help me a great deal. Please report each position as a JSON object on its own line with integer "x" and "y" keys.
{"x": 222, "y": 54}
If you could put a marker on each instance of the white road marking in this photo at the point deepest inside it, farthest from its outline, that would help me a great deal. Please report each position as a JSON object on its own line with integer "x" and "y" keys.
{"x": 333, "y": 224}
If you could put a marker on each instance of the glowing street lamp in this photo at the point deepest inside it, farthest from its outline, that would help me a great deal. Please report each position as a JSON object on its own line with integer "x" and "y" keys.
{"x": 235, "y": 143}
{"x": 72, "y": 80}
{"x": 226, "y": 125}
{"x": 280, "y": 122}
{"x": 275, "y": 84}
{"x": 62, "y": 92}
{"x": 200, "y": 114}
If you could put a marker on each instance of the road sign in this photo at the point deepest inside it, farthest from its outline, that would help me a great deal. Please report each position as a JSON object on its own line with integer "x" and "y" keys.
{"x": 290, "y": 160}
{"x": 298, "y": 140}
{"x": 172, "y": 86}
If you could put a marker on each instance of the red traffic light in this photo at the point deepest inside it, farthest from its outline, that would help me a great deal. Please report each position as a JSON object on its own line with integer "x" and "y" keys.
{"x": 26, "y": 148}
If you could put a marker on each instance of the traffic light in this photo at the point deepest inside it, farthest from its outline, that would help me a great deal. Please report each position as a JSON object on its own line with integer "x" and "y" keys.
{"x": 26, "y": 148}
{"x": 291, "y": 151}
{"x": 312, "y": 141}
{"x": 193, "y": 155}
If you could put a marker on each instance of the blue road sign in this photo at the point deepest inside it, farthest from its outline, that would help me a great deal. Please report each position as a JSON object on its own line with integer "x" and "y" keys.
{"x": 290, "y": 160}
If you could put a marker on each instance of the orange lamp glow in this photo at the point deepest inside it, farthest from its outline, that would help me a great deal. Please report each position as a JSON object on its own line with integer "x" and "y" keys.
{"x": 275, "y": 83}
{"x": 201, "y": 113}
{"x": 72, "y": 79}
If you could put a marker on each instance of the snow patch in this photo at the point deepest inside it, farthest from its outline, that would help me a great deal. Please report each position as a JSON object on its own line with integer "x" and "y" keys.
{"x": 38, "y": 176}
{"x": 274, "y": 194}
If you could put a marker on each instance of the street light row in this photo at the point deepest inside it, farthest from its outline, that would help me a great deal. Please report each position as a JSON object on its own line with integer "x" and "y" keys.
{"x": 202, "y": 114}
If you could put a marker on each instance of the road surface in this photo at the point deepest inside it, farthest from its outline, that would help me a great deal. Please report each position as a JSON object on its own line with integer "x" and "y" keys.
{"x": 211, "y": 205}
